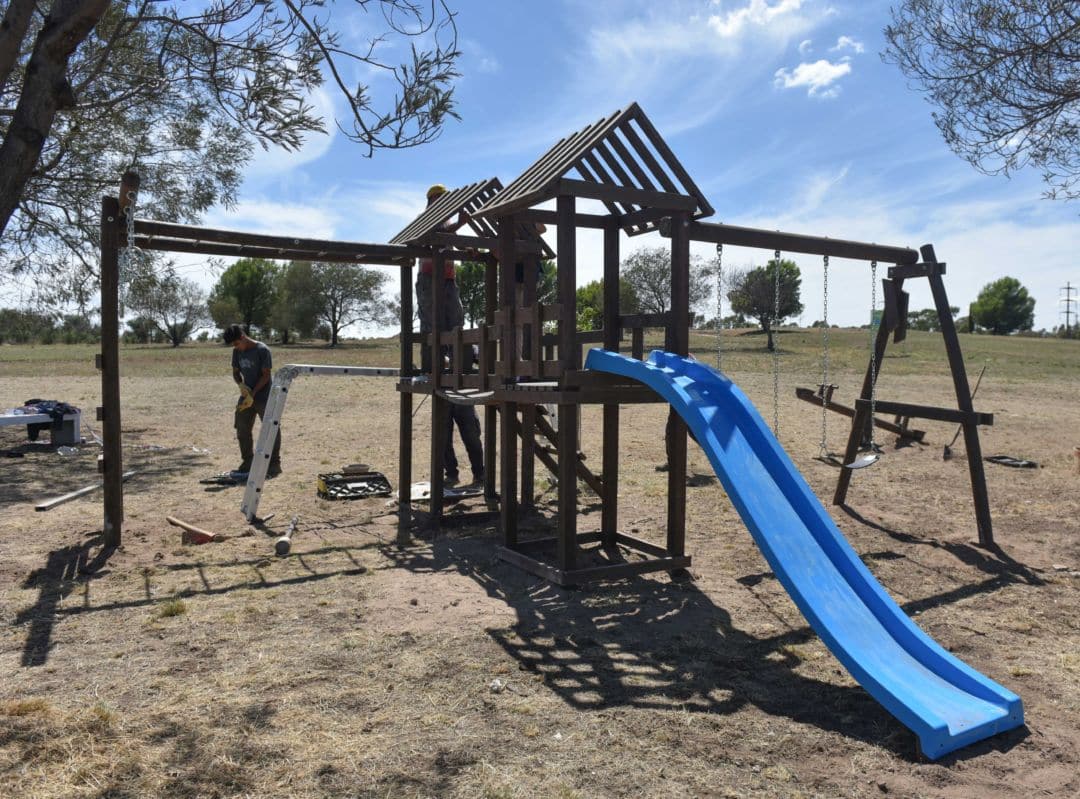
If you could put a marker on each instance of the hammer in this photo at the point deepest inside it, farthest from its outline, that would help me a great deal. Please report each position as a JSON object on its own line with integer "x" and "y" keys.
{"x": 284, "y": 544}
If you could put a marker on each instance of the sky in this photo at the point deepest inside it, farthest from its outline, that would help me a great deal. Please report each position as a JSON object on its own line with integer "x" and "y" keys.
{"x": 782, "y": 111}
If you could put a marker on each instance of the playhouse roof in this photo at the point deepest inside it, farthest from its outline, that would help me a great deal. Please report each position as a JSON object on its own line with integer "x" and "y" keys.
{"x": 620, "y": 160}
{"x": 469, "y": 199}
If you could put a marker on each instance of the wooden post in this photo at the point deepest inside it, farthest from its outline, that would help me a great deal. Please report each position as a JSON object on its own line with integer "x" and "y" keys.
{"x": 963, "y": 399}
{"x": 609, "y": 513}
{"x": 508, "y": 451}
{"x": 531, "y": 351}
{"x": 487, "y": 367}
{"x": 861, "y": 422}
{"x": 113, "y": 223}
{"x": 440, "y": 414}
{"x": 678, "y": 342}
{"x": 570, "y": 359}
{"x": 405, "y": 406}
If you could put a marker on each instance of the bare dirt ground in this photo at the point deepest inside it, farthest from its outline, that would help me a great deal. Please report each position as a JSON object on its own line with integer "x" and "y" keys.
{"x": 358, "y": 668}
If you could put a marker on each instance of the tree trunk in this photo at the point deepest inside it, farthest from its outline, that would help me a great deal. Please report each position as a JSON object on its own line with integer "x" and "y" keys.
{"x": 12, "y": 31}
{"x": 45, "y": 91}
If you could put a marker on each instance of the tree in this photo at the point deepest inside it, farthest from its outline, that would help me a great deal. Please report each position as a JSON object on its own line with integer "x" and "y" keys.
{"x": 348, "y": 295}
{"x": 470, "y": 277}
{"x": 245, "y": 293}
{"x": 753, "y": 292}
{"x": 927, "y": 319}
{"x": 19, "y": 326}
{"x": 590, "y": 304}
{"x": 648, "y": 274}
{"x": 175, "y": 306}
{"x": 141, "y": 330}
{"x": 470, "y": 280}
{"x": 1004, "y": 78}
{"x": 1004, "y": 307}
{"x": 296, "y": 308}
{"x": 182, "y": 92}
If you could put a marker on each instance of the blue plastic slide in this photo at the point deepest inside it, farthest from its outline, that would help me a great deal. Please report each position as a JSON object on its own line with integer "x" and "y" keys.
{"x": 945, "y": 702}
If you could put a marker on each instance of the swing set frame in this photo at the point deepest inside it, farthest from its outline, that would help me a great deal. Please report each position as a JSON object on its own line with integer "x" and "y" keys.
{"x": 907, "y": 264}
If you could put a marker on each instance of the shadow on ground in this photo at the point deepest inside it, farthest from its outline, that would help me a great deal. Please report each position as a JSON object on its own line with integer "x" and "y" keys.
{"x": 650, "y": 643}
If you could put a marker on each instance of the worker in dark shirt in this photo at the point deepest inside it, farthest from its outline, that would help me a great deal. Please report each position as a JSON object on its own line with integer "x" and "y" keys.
{"x": 453, "y": 315}
{"x": 251, "y": 365}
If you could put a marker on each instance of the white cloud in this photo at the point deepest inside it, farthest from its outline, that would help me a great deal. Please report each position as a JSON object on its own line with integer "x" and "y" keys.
{"x": 805, "y": 46}
{"x": 756, "y": 13}
{"x": 277, "y": 218}
{"x": 818, "y": 77}
{"x": 847, "y": 43}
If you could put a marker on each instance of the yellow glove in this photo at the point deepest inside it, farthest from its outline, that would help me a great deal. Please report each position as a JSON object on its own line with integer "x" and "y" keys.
{"x": 247, "y": 399}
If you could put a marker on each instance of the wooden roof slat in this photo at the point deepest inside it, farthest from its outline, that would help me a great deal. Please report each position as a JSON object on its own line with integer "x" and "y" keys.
{"x": 552, "y": 165}
{"x": 598, "y": 175}
{"x": 665, "y": 152}
{"x": 608, "y": 153}
{"x": 609, "y": 158}
{"x": 445, "y": 207}
{"x": 583, "y": 142}
{"x": 643, "y": 152}
{"x": 539, "y": 173}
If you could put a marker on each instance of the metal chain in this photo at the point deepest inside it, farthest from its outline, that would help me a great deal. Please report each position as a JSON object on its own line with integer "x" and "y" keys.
{"x": 824, "y": 450}
{"x": 719, "y": 305}
{"x": 130, "y": 251}
{"x": 873, "y": 349}
{"x": 776, "y": 350}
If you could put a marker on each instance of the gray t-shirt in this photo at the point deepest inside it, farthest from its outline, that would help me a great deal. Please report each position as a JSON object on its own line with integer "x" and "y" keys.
{"x": 251, "y": 363}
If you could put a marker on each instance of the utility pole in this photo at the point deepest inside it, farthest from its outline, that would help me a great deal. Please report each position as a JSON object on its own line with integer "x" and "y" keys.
{"x": 1069, "y": 301}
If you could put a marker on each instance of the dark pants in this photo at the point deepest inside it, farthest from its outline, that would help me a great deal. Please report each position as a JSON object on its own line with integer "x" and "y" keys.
{"x": 468, "y": 425}
{"x": 244, "y": 421}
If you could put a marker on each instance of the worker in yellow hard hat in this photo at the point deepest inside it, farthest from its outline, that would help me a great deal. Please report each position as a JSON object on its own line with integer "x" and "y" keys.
{"x": 452, "y": 316}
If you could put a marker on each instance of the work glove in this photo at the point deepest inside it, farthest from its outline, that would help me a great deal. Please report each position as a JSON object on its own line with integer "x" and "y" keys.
{"x": 247, "y": 399}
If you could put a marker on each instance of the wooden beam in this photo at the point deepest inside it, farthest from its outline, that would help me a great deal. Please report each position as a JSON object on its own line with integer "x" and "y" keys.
{"x": 171, "y": 230}
{"x": 716, "y": 233}
{"x": 931, "y": 412}
{"x": 626, "y": 195}
{"x": 542, "y": 217}
{"x": 979, "y": 494}
{"x": 809, "y": 395}
{"x": 478, "y": 243}
{"x": 570, "y": 356}
{"x": 915, "y": 270}
{"x": 405, "y": 409}
{"x": 112, "y": 226}
{"x": 246, "y": 251}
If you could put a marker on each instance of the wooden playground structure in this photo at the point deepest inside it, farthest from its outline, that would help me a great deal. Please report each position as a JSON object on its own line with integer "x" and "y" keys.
{"x": 530, "y": 352}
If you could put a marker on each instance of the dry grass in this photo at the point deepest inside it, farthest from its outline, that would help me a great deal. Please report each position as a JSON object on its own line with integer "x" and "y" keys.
{"x": 357, "y": 668}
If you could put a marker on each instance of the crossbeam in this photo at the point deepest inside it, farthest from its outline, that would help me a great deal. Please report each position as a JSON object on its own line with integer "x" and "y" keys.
{"x": 931, "y": 412}
{"x": 811, "y": 396}
{"x": 149, "y": 231}
{"x": 716, "y": 233}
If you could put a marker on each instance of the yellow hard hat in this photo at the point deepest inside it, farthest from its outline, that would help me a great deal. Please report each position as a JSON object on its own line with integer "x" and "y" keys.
{"x": 436, "y": 190}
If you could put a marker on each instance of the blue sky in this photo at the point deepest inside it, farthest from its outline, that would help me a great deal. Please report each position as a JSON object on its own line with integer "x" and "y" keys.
{"x": 781, "y": 110}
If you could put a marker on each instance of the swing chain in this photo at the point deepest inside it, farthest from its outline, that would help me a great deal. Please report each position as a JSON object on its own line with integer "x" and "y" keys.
{"x": 719, "y": 305}
{"x": 824, "y": 449}
{"x": 130, "y": 252}
{"x": 776, "y": 351}
{"x": 873, "y": 350}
